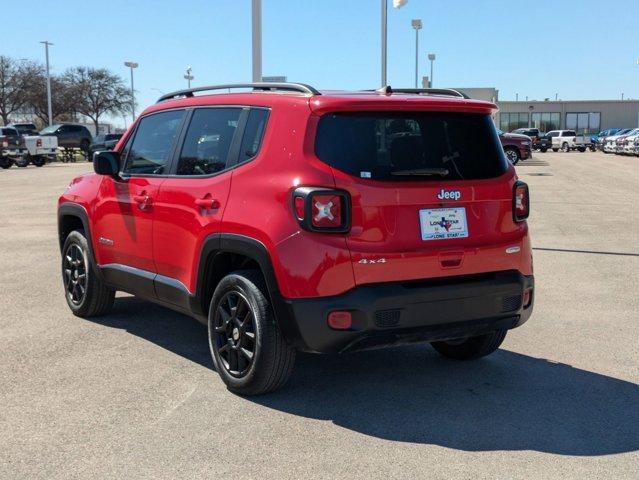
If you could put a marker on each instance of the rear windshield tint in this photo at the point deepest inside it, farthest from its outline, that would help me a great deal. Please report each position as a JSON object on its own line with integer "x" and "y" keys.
{"x": 374, "y": 145}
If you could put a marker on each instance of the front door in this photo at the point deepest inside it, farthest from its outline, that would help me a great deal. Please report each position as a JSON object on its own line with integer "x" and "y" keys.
{"x": 124, "y": 214}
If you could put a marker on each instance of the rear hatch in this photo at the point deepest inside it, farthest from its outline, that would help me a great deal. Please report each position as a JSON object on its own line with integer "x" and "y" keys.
{"x": 431, "y": 193}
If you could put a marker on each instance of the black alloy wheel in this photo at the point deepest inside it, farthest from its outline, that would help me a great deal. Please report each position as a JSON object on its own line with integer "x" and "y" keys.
{"x": 75, "y": 274}
{"x": 233, "y": 333}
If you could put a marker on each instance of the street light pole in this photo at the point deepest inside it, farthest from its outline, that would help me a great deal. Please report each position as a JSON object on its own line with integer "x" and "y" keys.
{"x": 417, "y": 25}
{"x": 431, "y": 57}
{"x": 188, "y": 77}
{"x": 49, "y": 105}
{"x": 384, "y": 39}
{"x": 257, "y": 39}
{"x": 131, "y": 66}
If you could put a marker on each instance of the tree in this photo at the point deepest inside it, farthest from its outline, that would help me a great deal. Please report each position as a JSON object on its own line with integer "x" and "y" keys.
{"x": 96, "y": 92}
{"x": 16, "y": 78}
{"x": 62, "y": 101}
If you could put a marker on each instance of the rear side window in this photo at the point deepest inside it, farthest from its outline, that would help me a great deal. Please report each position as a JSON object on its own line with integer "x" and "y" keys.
{"x": 411, "y": 145}
{"x": 253, "y": 133}
{"x": 152, "y": 145}
{"x": 208, "y": 141}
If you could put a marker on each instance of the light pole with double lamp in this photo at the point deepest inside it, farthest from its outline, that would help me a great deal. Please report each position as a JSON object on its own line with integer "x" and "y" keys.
{"x": 417, "y": 25}
{"x": 131, "y": 66}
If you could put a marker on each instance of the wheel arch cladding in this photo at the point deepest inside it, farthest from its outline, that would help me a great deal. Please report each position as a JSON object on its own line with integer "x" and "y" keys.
{"x": 223, "y": 253}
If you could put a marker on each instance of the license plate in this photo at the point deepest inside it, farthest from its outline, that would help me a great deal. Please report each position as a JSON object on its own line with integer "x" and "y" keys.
{"x": 443, "y": 223}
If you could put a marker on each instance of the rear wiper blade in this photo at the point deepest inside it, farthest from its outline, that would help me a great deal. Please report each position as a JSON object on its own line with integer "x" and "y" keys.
{"x": 421, "y": 171}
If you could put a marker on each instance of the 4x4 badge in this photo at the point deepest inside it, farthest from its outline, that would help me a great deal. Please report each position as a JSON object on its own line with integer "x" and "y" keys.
{"x": 449, "y": 195}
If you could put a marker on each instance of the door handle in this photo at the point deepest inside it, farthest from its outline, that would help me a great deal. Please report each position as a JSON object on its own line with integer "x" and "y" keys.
{"x": 207, "y": 203}
{"x": 143, "y": 201}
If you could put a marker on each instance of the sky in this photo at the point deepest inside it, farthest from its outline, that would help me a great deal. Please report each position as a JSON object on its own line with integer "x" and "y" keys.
{"x": 576, "y": 49}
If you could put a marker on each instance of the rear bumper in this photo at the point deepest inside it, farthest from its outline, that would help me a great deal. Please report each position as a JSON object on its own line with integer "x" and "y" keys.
{"x": 525, "y": 152}
{"x": 397, "y": 313}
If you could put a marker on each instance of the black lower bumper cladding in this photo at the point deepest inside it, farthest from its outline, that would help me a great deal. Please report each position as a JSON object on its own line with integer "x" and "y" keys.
{"x": 407, "y": 312}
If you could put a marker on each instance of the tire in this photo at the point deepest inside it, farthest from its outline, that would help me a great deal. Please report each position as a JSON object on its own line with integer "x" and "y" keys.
{"x": 565, "y": 148}
{"x": 471, "y": 348}
{"x": 22, "y": 163}
{"x": 85, "y": 294}
{"x": 5, "y": 163}
{"x": 582, "y": 149}
{"x": 513, "y": 155}
{"x": 271, "y": 361}
{"x": 84, "y": 146}
{"x": 38, "y": 161}
{"x": 555, "y": 150}
{"x": 544, "y": 150}
{"x": 593, "y": 149}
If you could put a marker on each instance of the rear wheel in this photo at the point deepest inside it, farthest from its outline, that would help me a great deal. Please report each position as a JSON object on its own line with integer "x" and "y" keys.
{"x": 513, "y": 155}
{"x": 38, "y": 161}
{"x": 5, "y": 163}
{"x": 555, "y": 149}
{"x": 564, "y": 147}
{"x": 248, "y": 349}
{"x": 86, "y": 295}
{"x": 582, "y": 149}
{"x": 544, "y": 150}
{"x": 472, "y": 347}
{"x": 22, "y": 163}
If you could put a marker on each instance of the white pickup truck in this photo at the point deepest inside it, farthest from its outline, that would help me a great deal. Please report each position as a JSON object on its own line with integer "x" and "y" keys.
{"x": 34, "y": 149}
{"x": 567, "y": 140}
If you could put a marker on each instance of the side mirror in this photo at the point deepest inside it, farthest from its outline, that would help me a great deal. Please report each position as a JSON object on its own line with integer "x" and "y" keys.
{"x": 106, "y": 163}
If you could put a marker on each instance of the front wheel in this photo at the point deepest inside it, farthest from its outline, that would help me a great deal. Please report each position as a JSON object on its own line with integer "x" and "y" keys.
{"x": 5, "y": 163}
{"x": 544, "y": 150}
{"x": 248, "y": 349}
{"x": 86, "y": 295}
{"x": 472, "y": 347}
{"x": 38, "y": 161}
{"x": 565, "y": 147}
{"x": 555, "y": 149}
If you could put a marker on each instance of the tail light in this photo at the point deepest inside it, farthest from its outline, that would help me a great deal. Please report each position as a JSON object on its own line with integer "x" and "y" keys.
{"x": 521, "y": 202}
{"x": 322, "y": 210}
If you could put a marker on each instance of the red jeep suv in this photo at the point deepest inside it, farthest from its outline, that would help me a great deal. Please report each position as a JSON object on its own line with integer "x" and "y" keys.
{"x": 290, "y": 219}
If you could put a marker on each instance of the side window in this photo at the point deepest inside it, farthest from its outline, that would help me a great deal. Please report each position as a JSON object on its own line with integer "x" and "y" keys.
{"x": 150, "y": 152}
{"x": 253, "y": 133}
{"x": 208, "y": 141}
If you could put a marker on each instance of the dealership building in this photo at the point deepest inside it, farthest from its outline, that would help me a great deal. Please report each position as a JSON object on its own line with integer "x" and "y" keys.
{"x": 582, "y": 115}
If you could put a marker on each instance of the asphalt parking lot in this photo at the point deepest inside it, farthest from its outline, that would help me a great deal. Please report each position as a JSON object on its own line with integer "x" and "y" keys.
{"x": 133, "y": 394}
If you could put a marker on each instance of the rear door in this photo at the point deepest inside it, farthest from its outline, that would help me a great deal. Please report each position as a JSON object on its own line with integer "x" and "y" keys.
{"x": 431, "y": 193}
{"x": 191, "y": 202}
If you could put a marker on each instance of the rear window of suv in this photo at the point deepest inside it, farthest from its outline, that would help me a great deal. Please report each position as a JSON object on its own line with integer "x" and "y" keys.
{"x": 411, "y": 145}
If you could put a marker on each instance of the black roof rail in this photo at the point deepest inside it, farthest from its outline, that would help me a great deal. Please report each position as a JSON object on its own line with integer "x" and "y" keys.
{"x": 444, "y": 92}
{"x": 264, "y": 86}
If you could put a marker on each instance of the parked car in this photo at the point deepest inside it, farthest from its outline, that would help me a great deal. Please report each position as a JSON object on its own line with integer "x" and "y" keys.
{"x": 610, "y": 145}
{"x": 563, "y": 139}
{"x": 599, "y": 138}
{"x": 545, "y": 141}
{"x": 24, "y": 150}
{"x": 622, "y": 141}
{"x": 10, "y": 143}
{"x": 516, "y": 147}
{"x": 70, "y": 135}
{"x": 312, "y": 259}
{"x": 533, "y": 133}
{"x": 631, "y": 141}
{"x": 103, "y": 142}
{"x": 25, "y": 128}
